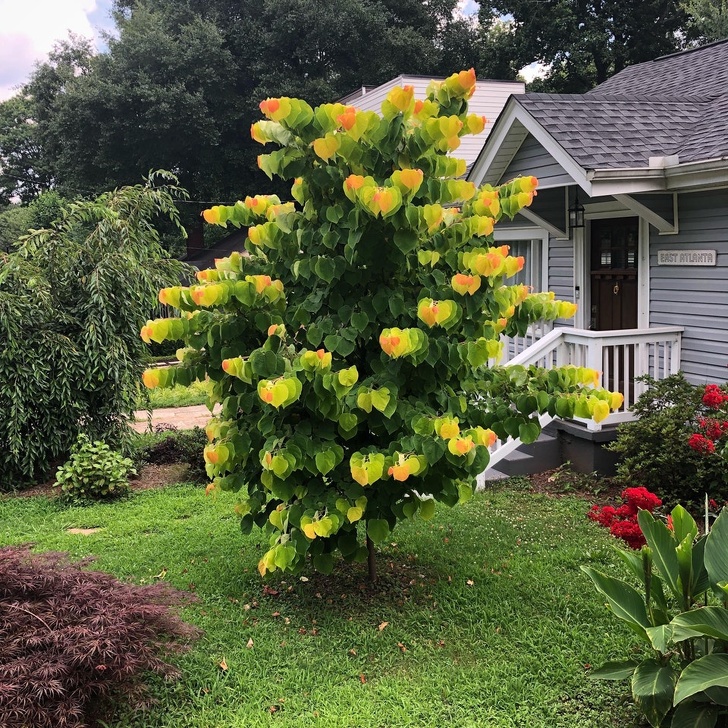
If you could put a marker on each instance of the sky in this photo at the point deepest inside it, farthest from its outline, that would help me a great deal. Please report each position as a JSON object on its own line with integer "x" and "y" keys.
{"x": 29, "y": 28}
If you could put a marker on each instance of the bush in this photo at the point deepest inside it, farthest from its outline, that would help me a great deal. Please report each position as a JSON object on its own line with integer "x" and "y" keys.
{"x": 183, "y": 446}
{"x": 655, "y": 449}
{"x": 71, "y": 300}
{"x": 94, "y": 472}
{"x": 73, "y": 637}
{"x": 622, "y": 521}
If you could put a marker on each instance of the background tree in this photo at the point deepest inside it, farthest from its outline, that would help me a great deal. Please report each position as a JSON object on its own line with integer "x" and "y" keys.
{"x": 584, "y": 42}
{"x": 71, "y": 301}
{"x": 708, "y": 19}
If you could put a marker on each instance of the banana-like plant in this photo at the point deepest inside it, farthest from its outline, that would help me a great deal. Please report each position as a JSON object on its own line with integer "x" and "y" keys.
{"x": 681, "y": 613}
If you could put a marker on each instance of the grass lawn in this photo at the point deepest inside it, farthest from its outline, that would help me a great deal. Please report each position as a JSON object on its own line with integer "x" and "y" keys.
{"x": 481, "y": 618}
{"x": 177, "y": 396}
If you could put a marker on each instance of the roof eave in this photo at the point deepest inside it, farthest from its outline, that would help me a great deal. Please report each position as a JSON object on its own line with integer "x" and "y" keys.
{"x": 674, "y": 178}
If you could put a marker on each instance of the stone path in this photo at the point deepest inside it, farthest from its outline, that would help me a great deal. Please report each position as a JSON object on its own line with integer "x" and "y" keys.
{"x": 181, "y": 418}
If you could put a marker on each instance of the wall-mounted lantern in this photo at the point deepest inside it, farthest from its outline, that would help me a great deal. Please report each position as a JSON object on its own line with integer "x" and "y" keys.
{"x": 576, "y": 214}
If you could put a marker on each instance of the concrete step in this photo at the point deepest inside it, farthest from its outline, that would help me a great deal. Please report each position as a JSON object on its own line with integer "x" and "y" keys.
{"x": 544, "y": 454}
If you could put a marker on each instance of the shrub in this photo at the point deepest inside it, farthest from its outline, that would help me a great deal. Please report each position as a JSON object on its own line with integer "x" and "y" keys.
{"x": 94, "y": 472}
{"x": 680, "y": 614}
{"x": 656, "y": 449}
{"x": 182, "y": 446}
{"x": 622, "y": 521}
{"x": 350, "y": 350}
{"x": 73, "y": 637}
{"x": 71, "y": 300}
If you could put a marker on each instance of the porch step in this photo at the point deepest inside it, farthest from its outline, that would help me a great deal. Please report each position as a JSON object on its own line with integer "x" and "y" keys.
{"x": 544, "y": 454}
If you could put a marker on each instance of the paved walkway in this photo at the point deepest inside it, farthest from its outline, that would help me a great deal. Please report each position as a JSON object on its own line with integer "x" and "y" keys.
{"x": 181, "y": 418}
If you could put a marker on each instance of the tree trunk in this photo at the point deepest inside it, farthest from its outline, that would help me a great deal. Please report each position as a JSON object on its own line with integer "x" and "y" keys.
{"x": 371, "y": 561}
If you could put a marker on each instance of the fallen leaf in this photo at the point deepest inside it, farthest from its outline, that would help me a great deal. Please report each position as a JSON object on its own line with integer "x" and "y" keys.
{"x": 470, "y": 582}
{"x": 223, "y": 665}
{"x": 250, "y": 644}
{"x": 363, "y": 679}
{"x": 269, "y": 591}
{"x": 352, "y": 652}
{"x": 161, "y": 574}
{"x": 303, "y": 578}
{"x": 276, "y": 614}
{"x": 383, "y": 625}
{"x": 401, "y": 647}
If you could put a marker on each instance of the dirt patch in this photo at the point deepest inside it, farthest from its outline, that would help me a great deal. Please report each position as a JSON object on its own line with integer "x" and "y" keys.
{"x": 83, "y": 531}
{"x": 563, "y": 481}
{"x": 150, "y": 476}
{"x": 159, "y": 476}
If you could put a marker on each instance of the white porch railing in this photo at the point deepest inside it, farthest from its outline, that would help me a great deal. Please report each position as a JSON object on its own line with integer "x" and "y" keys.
{"x": 620, "y": 356}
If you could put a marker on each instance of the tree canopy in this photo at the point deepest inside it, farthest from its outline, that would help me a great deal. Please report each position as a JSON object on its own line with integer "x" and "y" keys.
{"x": 584, "y": 42}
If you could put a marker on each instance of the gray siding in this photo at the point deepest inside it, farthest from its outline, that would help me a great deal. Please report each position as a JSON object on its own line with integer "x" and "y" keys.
{"x": 695, "y": 297}
{"x": 533, "y": 159}
{"x": 561, "y": 272}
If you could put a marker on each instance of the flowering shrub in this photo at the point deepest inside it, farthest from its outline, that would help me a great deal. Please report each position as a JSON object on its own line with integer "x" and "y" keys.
{"x": 674, "y": 446}
{"x": 622, "y": 521}
{"x": 353, "y": 350}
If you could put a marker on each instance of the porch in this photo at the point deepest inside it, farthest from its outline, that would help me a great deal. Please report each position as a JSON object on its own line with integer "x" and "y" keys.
{"x": 622, "y": 356}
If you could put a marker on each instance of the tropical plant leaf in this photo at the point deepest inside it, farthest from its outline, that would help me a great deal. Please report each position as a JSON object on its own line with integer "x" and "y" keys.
{"x": 702, "y": 674}
{"x": 716, "y": 550}
{"x": 660, "y": 637}
{"x": 653, "y": 685}
{"x": 694, "y": 715}
{"x": 662, "y": 543}
{"x": 617, "y": 670}
{"x": 624, "y": 600}
{"x": 709, "y": 621}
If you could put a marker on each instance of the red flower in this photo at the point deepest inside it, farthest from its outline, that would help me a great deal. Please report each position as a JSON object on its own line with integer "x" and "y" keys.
{"x": 628, "y": 510}
{"x": 701, "y": 444}
{"x": 641, "y": 498}
{"x": 670, "y": 524}
{"x": 713, "y": 504}
{"x": 713, "y": 396}
{"x": 603, "y": 515}
{"x": 628, "y": 531}
{"x": 712, "y": 428}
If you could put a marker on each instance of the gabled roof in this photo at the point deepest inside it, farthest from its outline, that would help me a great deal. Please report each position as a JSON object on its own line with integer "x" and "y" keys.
{"x": 675, "y": 108}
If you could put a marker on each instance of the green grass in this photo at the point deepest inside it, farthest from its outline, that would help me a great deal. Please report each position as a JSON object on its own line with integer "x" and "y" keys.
{"x": 177, "y": 396}
{"x": 490, "y": 621}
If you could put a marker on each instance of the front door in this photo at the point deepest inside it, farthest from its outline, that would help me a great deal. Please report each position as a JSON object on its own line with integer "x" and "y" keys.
{"x": 614, "y": 255}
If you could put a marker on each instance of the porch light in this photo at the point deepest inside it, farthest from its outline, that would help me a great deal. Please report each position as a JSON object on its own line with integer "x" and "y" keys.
{"x": 576, "y": 214}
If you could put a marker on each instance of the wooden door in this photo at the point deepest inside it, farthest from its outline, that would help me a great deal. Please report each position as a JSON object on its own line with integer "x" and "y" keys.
{"x": 614, "y": 256}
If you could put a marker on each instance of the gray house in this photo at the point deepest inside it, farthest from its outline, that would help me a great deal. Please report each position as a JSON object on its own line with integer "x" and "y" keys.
{"x": 631, "y": 217}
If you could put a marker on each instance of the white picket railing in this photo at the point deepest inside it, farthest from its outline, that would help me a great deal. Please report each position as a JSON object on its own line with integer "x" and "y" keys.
{"x": 620, "y": 357}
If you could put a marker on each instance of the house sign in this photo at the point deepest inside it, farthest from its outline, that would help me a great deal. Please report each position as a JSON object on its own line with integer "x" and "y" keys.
{"x": 686, "y": 257}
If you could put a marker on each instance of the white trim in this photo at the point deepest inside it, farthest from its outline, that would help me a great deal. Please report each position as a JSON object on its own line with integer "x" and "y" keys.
{"x": 582, "y": 280}
{"x": 488, "y": 163}
{"x": 643, "y": 275}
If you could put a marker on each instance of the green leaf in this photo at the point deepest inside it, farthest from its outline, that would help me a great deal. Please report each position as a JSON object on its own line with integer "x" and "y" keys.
{"x": 614, "y": 670}
{"x": 695, "y": 715}
{"x": 359, "y": 320}
{"x": 710, "y": 621}
{"x": 716, "y": 550}
{"x": 377, "y": 529}
{"x": 683, "y": 524}
{"x": 246, "y": 524}
{"x": 427, "y": 509}
{"x": 406, "y": 240}
{"x": 323, "y": 563}
{"x": 325, "y": 461}
{"x": 660, "y": 637}
{"x": 653, "y": 685}
{"x": 661, "y": 541}
{"x": 529, "y": 432}
{"x": 624, "y": 600}
{"x": 708, "y": 671}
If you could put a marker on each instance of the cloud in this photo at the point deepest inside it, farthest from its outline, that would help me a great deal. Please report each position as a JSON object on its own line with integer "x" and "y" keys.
{"x": 466, "y": 9}
{"x": 29, "y": 28}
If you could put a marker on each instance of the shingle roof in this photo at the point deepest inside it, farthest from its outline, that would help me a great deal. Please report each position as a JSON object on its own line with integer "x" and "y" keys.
{"x": 676, "y": 104}
{"x": 701, "y": 73}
